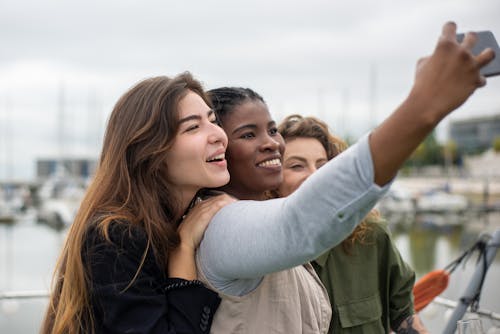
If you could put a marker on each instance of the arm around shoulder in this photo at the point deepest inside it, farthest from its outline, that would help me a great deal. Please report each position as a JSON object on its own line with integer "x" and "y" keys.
{"x": 125, "y": 297}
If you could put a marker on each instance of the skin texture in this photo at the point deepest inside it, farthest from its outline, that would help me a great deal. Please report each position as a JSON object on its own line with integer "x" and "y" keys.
{"x": 303, "y": 156}
{"x": 198, "y": 139}
{"x": 254, "y": 151}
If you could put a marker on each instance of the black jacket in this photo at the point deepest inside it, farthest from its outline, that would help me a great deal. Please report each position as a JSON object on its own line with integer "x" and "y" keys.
{"x": 153, "y": 303}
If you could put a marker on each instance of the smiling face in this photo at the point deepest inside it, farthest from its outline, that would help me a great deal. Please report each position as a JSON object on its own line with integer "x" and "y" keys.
{"x": 196, "y": 158}
{"x": 254, "y": 152}
{"x": 303, "y": 156}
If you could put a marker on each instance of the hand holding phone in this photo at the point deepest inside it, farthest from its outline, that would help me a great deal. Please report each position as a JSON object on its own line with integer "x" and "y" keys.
{"x": 486, "y": 39}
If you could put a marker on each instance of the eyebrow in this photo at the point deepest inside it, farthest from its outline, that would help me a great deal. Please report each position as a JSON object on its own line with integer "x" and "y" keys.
{"x": 252, "y": 126}
{"x": 195, "y": 117}
{"x": 296, "y": 157}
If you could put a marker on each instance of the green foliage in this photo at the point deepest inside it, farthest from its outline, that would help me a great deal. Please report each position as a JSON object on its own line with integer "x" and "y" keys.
{"x": 496, "y": 144}
{"x": 429, "y": 152}
{"x": 450, "y": 152}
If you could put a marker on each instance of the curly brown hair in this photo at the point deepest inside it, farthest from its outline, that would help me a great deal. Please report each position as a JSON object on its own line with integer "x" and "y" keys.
{"x": 297, "y": 126}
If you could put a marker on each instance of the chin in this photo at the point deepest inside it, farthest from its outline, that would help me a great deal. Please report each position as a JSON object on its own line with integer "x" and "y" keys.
{"x": 218, "y": 182}
{"x": 274, "y": 184}
{"x": 267, "y": 187}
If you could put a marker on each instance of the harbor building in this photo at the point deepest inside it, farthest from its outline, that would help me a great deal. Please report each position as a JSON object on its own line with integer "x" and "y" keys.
{"x": 475, "y": 135}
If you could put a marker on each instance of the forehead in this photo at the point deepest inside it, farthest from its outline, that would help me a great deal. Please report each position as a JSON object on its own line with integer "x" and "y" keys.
{"x": 190, "y": 104}
{"x": 309, "y": 148}
{"x": 250, "y": 112}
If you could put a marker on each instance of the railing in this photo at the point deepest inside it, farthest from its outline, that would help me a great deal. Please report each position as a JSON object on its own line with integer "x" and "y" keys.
{"x": 452, "y": 304}
{"x": 28, "y": 294}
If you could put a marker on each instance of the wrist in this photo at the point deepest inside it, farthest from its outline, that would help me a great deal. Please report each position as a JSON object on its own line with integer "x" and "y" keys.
{"x": 184, "y": 247}
{"x": 181, "y": 263}
{"x": 421, "y": 105}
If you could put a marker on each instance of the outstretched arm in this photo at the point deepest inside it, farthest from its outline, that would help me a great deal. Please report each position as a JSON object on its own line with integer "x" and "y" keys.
{"x": 247, "y": 240}
{"x": 443, "y": 82}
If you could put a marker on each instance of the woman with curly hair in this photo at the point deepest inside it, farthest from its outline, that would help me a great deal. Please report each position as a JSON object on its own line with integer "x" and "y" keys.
{"x": 369, "y": 284}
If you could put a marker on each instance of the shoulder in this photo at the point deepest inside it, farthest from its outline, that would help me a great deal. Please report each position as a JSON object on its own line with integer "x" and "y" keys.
{"x": 378, "y": 228}
{"x": 117, "y": 233}
{"x": 118, "y": 239}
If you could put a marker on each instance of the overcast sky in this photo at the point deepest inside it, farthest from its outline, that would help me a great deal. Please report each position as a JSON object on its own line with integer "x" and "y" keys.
{"x": 63, "y": 64}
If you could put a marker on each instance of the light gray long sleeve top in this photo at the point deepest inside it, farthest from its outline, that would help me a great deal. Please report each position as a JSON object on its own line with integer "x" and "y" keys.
{"x": 249, "y": 239}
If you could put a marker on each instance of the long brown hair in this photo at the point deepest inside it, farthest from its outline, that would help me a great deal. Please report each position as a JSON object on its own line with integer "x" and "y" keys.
{"x": 130, "y": 185}
{"x": 297, "y": 126}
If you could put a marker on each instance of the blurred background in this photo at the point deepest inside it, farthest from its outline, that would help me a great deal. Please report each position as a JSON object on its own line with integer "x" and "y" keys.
{"x": 64, "y": 64}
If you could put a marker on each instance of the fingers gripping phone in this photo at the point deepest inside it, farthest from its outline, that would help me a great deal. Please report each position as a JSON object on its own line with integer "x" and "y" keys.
{"x": 485, "y": 39}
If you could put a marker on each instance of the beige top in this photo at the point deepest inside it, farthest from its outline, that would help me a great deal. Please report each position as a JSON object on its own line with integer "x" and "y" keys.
{"x": 291, "y": 301}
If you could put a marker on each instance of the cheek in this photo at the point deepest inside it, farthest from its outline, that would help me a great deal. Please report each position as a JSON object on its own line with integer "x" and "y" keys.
{"x": 291, "y": 180}
{"x": 186, "y": 155}
{"x": 238, "y": 153}
{"x": 281, "y": 141}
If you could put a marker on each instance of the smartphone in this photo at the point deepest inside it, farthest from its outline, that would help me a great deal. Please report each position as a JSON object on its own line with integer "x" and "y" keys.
{"x": 486, "y": 39}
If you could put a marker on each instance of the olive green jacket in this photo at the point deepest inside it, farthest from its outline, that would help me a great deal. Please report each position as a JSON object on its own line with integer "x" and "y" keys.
{"x": 370, "y": 289}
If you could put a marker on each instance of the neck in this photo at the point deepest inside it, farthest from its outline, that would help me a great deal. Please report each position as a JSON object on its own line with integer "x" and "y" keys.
{"x": 185, "y": 197}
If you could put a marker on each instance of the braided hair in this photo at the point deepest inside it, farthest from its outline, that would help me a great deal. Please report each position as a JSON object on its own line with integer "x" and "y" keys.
{"x": 225, "y": 99}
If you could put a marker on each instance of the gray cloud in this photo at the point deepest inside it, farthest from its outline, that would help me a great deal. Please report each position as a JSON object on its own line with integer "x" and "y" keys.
{"x": 312, "y": 57}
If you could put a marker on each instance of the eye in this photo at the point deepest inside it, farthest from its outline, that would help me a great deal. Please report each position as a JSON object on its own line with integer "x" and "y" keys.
{"x": 273, "y": 131}
{"x": 247, "y": 135}
{"x": 296, "y": 167}
{"x": 191, "y": 127}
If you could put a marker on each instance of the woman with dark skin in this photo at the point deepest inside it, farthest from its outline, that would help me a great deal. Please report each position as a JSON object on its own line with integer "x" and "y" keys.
{"x": 366, "y": 270}
{"x": 254, "y": 155}
{"x": 127, "y": 265}
{"x": 247, "y": 260}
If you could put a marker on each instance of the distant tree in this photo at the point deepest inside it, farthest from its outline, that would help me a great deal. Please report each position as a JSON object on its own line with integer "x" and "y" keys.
{"x": 429, "y": 152}
{"x": 418, "y": 156}
{"x": 496, "y": 144}
{"x": 450, "y": 151}
{"x": 433, "y": 150}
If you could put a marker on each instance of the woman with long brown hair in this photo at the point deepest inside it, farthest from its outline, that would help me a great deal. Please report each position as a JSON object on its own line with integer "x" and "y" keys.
{"x": 127, "y": 265}
{"x": 366, "y": 271}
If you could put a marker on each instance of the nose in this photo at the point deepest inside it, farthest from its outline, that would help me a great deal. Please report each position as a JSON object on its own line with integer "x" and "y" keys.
{"x": 308, "y": 172}
{"x": 270, "y": 144}
{"x": 217, "y": 134}
{"x": 313, "y": 169}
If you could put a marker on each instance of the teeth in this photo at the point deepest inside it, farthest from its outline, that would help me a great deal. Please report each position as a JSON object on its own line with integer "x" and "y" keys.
{"x": 217, "y": 157}
{"x": 270, "y": 163}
